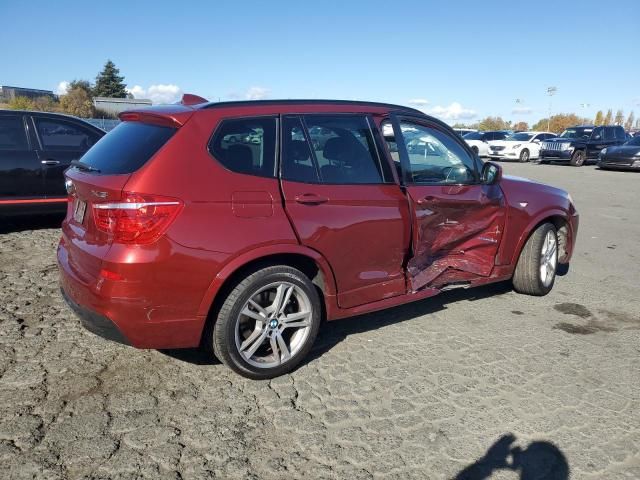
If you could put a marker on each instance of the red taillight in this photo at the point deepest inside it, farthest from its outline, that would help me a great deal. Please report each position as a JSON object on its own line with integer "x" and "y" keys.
{"x": 137, "y": 218}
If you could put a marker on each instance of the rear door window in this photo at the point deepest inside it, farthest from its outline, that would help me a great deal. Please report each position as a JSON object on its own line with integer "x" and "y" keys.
{"x": 62, "y": 135}
{"x": 620, "y": 134}
{"x": 127, "y": 147}
{"x": 298, "y": 164}
{"x": 246, "y": 145}
{"x": 344, "y": 149}
{"x": 12, "y": 133}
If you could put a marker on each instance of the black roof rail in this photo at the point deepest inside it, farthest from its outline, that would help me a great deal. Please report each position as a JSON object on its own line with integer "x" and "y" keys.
{"x": 240, "y": 103}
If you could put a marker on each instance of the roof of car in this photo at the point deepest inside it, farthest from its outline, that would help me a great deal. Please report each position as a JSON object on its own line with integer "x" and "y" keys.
{"x": 52, "y": 115}
{"x": 248, "y": 103}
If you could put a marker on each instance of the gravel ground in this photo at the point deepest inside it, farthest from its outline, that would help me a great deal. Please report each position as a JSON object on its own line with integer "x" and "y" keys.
{"x": 442, "y": 388}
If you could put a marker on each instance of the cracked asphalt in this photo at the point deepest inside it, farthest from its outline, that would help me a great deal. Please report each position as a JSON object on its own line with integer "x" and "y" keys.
{"x": 471, "y": 384}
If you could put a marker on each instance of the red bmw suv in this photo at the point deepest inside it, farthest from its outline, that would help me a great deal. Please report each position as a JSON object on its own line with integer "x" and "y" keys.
{"x": 239, "y": 226}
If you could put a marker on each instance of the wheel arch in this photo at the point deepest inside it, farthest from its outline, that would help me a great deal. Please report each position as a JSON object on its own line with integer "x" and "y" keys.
{"x": 563, "y": 227}
{"x": 308, "y": 261}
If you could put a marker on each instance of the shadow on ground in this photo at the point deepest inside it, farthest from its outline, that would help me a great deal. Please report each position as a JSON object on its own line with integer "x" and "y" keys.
{"x": 539, "y": 461}
{"x": 333, "y": 333}
{"x": 30, "y": 222}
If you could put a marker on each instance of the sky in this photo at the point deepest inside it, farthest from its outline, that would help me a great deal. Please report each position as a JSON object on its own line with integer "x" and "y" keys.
{"x": 458, "y": 60}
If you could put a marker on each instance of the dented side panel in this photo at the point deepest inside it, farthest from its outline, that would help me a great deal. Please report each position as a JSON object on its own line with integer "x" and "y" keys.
{"x": 457, "y": 232}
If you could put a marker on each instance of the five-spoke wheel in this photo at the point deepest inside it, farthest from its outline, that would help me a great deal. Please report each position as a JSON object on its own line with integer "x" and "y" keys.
{"x": 267, "y": 323}
{"x": 536, "y": 269}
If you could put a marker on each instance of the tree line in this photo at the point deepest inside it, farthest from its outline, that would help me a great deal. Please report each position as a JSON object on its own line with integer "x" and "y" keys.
{"x": 78, "y": 99}
{"x": 556, "y": 123}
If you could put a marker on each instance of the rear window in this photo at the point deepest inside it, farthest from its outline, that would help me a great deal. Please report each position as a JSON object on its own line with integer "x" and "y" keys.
{"x": 127, "y": 147}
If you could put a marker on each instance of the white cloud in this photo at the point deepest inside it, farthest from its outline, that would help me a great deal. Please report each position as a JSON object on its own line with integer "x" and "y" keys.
{"x": 159, "y": 94}
{"x": 62, "y": 88}
{"x": 418, "y": 102}
{"x": 257, "y": 93}
{"x": 522, "y": 111}
{"x": 455, "y": 111}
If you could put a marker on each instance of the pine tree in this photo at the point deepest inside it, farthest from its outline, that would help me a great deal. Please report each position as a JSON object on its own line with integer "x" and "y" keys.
{"x": 599, "y": 118}
{"x": 109, "y": 82}
{"x": 629, "y": 123}
{"x": 608, "y": 118}
{"x": 619, "y": 117}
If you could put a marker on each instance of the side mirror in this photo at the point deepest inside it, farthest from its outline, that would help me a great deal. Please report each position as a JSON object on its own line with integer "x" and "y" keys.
{"x": 491, "y": 173}
{"x": 537, "y": 140}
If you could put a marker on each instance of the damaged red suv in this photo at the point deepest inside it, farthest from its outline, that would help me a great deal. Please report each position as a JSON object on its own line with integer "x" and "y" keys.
{"x": 240, "y": 226}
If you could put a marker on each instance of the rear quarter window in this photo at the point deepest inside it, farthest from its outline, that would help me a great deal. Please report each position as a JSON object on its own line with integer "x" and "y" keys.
{"x": 127, "y": 147}
{"x": 246, "y": 145}
{"x": 12, "y": 133}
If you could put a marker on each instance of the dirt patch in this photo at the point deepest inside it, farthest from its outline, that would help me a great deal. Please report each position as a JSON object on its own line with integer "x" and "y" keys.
{"x": 588, "y": 329}
{"x": 573, "y": 309}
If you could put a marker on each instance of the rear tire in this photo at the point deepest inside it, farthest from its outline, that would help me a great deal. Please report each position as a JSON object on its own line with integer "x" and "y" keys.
{"x": 536, "y": 269}
{"x": 578, "y": 158}
{"x": 524, "y": 155}
{"x": 271, "y": 297}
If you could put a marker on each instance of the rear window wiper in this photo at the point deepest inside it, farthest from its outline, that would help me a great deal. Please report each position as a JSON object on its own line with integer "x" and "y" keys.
{"x": 83, "y": 166}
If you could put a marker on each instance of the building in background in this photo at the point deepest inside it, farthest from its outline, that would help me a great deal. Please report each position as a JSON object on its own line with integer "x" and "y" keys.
{"x": 114, "y": 106}
{"x": 8, "y": 93}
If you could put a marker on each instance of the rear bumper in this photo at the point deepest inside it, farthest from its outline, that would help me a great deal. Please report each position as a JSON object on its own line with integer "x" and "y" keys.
{"x": 127, "y": 311}
{"x": 94, "y": 322}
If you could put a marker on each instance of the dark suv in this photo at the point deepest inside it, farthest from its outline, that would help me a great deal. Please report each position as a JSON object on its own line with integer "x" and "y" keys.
{"x": 577, "y": 145}
{"x": 35, "y": 150}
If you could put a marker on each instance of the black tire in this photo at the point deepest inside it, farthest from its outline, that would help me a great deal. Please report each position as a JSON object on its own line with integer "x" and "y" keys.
{"x": 578, "y": 158}
{"x": 527, "y": 278}
{"x": 524, "y": 155}
{"x": 223, "y": 336}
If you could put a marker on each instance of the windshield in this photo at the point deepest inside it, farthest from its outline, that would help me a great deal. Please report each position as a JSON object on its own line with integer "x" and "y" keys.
{"x": 520, "y": 137}
{"x": 582, "y": 133}
{"x": 634, "y": 142}
{"x": 473, "y": 136}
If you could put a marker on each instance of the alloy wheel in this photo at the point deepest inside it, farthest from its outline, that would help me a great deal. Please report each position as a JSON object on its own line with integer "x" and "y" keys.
{"x": 273, "y": 325}
{"x": 548, "y": 258}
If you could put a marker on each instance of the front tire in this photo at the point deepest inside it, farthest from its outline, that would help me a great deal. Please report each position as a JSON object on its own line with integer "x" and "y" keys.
{"x": 535, "y": 271}
{"x": 524, "y": 155}
{"x": 268, "y": 323}
{"x": 578, "y": 158}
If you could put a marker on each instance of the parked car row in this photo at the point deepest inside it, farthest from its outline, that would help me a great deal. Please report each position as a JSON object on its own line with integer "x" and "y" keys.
{"x": 609, "y": 145}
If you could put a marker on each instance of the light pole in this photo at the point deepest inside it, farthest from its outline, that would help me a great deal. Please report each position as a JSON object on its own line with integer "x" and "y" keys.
{"x": 585, "y": 106}
{"x": 551, "y": 91}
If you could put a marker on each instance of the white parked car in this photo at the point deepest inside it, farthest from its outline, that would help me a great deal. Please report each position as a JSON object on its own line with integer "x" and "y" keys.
{"x": 522, "y": 146}
{"x": 479, "y": 141}
{"x": 463, "y": 131}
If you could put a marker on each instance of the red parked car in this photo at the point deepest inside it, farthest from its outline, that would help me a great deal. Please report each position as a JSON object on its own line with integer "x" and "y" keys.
{"x": 226, "y": 225}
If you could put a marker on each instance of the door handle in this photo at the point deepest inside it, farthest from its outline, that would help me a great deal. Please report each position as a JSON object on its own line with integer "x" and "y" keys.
{"x": 310, "y": 199}
{"x": 427, "y": 199}
{"x": 50, "y": 162}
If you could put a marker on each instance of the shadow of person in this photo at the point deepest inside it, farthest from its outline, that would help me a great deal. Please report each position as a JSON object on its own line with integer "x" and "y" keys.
{"x": 539, "y": 461}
